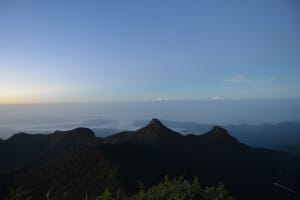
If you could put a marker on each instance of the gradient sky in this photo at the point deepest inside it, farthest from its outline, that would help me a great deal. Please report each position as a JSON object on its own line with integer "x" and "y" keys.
{"x": 73, "y": 51}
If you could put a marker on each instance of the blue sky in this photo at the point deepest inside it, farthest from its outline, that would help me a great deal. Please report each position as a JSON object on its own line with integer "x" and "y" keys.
{"x": 73, "y": 51}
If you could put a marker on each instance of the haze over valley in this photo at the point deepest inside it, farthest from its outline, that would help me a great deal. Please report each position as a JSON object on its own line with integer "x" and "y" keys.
{"x": 196, "y": 117}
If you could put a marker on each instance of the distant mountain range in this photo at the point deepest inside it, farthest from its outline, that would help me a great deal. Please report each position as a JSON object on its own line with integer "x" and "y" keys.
{"x": 79, "y": 163}
{"x": 265, "y": 135}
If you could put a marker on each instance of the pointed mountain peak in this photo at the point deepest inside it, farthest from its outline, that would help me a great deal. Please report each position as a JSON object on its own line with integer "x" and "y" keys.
{"x": 155, "y": 121}
{"x": 157, "y": 129}
{"x": 219, "y": 134}
{"x": 155, "y": 124}
{"x": 218, "y": 130}
{"x": 153, "y": 133}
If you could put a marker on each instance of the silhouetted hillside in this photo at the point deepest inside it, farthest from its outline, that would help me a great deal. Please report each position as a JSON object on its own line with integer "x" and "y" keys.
{"x": 77, "y": 171}
{"x": 153, "y": 133}
{"x": 23, "y": 149}
{"x": 219, "y": 136}
{"x": 265, "y": 135}
{"x": 85, "y": 164}
{"x": 293, "y": 149}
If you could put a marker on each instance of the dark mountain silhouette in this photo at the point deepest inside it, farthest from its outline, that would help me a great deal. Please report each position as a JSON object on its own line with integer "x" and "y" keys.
{"x": 22, "y": 149}
{"x": 77, "y": 171}
{"x": 84, "y": 164}
{"x": 293, "y": 148}
{"x": 265, "y": 135}
{"x": 153, "y": 133}
{"x": 218, "y": 135}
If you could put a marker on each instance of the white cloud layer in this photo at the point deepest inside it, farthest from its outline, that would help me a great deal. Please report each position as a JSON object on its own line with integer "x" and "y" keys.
{"x": 158, "y": 99}
{"x": 239, "y": 78}
{"x": 216, "y": 98}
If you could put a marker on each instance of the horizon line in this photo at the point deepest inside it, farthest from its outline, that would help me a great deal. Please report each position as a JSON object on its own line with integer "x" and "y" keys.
{"x": 212, "y": 99}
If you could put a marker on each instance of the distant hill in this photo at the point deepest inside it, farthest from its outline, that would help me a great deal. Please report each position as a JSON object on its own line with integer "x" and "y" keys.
{"x": 267, "y": 135}
{"x": 78, "y": 163}
{"x": 104, "y": 132}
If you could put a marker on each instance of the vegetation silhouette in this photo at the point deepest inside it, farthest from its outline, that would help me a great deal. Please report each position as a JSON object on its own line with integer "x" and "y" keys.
{"x": 177, "y": 188}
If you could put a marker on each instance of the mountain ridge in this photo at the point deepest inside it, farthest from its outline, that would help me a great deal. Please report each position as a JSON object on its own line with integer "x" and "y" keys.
{"x": 153, "y": 133}
{"x": 22, "y": 148}
{"x": 147, "y": 154}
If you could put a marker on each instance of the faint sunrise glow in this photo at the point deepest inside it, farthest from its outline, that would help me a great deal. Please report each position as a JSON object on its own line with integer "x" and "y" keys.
{"x": 28, "y": 95}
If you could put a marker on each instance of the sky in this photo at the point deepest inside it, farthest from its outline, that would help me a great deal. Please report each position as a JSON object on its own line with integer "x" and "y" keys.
{"x": 148, "y": 50}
